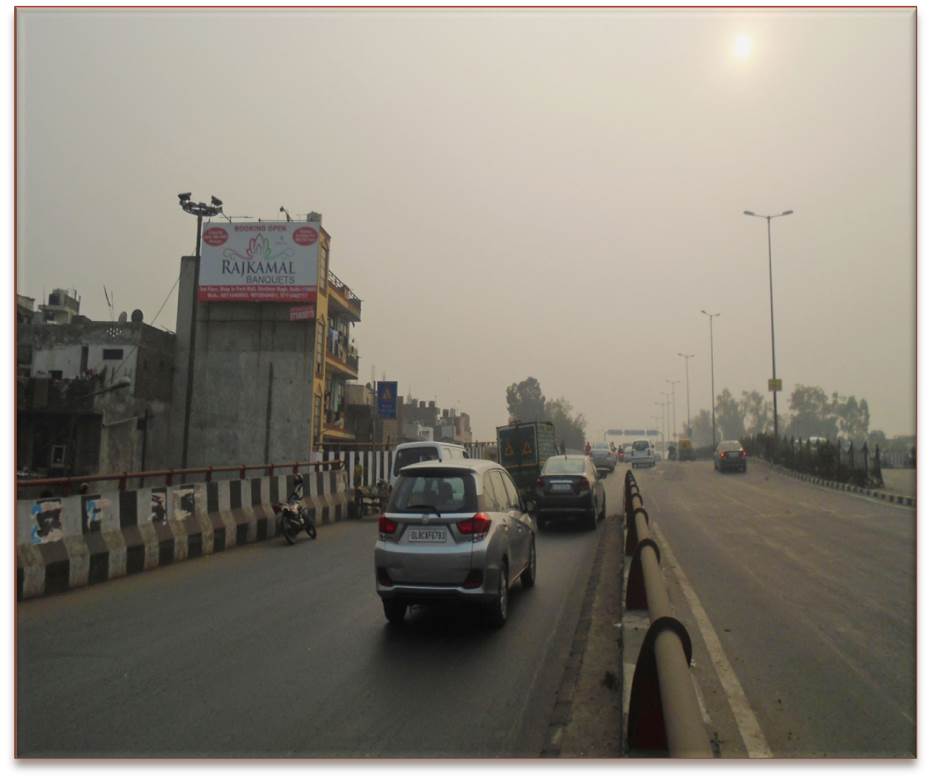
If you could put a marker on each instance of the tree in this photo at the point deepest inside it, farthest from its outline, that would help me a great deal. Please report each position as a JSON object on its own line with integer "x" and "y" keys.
{"x": 525, "y": 401}
{"x": 813, "y": 414}
{"x": 701, "y": 429}
{"x": 569, "y": 428}
{"x": 729, "y": 416}
{"x": 756, "y": 412}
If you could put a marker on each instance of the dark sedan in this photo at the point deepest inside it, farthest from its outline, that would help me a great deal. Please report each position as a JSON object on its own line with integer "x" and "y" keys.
{"x": 730, "y": 456}
{"x": 569, "y": 487}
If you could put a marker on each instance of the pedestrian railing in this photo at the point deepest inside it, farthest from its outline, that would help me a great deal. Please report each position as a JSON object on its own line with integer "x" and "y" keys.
{"x": 664, "y": 714}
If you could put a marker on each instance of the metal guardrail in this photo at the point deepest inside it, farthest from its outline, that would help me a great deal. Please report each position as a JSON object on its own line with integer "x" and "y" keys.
{"x": 664, "y": 712}
{"x": 268, "y": 469}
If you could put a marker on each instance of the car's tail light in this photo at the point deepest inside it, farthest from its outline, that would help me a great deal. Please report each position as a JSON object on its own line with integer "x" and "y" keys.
{"x": 476, "y": 526}
{"x": 743, "y": 454}
{"x": 583, "y": 484}
{"x": 540, "y": 482}
{"x": 384, "y": 578}
{"x": 723, "y": 454}
{"x": 474, "y": 579}
{"x": 386, "y": 526}
{"x": 276, "y": 508}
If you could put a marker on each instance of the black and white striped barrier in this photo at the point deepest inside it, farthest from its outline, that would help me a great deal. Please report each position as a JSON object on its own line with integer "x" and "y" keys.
{"x": 892, "y": 498}
{"x": 72, "y": 541}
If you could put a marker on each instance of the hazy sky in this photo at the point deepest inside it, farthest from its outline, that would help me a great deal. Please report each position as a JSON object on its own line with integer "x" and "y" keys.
{"x": 511, "y": 193}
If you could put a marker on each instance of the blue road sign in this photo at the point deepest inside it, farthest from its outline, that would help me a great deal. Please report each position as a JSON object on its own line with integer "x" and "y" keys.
{"x": 387, "y": 400}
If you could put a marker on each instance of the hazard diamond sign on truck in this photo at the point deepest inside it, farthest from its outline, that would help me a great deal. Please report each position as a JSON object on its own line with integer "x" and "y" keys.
{"x": 524, "y": 449}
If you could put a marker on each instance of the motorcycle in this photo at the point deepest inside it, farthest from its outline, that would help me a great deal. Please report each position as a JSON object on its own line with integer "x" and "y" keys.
{"x": 294, "y": 516}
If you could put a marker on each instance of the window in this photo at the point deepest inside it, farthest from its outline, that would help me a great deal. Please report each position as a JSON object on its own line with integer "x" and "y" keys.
{"x": 443, "y": 491}
{"x": 513, "y": 498}
{"x": 496, "y": 500}
{"x": 411, "y": 455}
{"x": 55, "y": 374}
{"x": 563, "y": 465}
{"x": 112, "y": 354}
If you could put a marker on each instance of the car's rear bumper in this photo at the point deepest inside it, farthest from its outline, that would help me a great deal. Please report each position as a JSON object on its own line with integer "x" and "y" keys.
{"x": 427, "y": 593}
{"x": 736, "y": 466}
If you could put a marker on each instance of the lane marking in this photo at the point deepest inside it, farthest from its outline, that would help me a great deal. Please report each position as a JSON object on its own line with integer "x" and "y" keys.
{"x": 749, "y": 728}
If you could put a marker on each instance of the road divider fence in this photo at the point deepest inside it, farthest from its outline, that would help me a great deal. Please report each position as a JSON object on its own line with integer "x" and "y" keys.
{"x": 664, "y": 715}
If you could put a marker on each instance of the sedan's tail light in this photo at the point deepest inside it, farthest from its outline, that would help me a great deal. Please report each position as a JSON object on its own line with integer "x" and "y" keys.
{"x": 386, "y": 526}
{"x": 583, "y": 484}
{"x": 476, "y": 526}
{"x": 540, "y": 482}
{"x": 723, "y": 454}
{"x": 743, "y": 454}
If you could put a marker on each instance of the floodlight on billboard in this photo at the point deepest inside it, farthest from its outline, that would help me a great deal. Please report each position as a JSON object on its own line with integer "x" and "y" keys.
{"x": 261, "y": 262}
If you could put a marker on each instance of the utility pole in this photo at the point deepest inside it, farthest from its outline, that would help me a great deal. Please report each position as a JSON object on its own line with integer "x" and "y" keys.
{"x": 199, "y": 210}
{"x": 768, "y": 220}
{"x": 687, "y": 390}
{"x": 713, "y": 395}
{"x": 674, "y": 382}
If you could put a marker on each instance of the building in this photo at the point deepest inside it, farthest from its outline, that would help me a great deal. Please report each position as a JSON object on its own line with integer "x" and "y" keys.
{"x": 261, "y": 367}
{"x": 62, "y": 307}
{"x": 343, "y": 311}
{"x": 94, "y": 397}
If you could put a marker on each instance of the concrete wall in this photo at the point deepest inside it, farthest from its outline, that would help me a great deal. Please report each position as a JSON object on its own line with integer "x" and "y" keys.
{"x": 252, "y": 381}
{"x": 72, "y": 541}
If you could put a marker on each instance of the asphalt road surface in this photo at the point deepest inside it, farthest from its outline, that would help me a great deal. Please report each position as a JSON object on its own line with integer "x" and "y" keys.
{"x": 270, "y": 650}
{"x": 801, "y": 603}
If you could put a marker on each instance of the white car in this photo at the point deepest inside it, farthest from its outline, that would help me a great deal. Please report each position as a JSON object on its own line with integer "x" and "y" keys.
{"x": 643, "y": 453}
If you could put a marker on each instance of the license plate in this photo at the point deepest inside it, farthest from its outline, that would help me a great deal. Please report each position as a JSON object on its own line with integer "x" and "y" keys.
{"x": 427, "y": 535}
{"x": 560, "y": 487}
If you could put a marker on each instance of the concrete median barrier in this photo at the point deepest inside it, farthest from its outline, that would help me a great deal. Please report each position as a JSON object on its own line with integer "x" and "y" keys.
{"x": 65, "y": 542}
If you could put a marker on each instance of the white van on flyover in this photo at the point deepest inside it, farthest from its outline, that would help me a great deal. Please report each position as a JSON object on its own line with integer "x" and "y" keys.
{"x": 643, "y": 453}
{"x": 418, "y": 451}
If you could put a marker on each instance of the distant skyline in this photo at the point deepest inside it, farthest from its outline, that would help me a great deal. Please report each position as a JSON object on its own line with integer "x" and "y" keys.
{"x": 548, "y": 193}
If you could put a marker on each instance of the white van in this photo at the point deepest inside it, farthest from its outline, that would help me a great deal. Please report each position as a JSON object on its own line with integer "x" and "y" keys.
{"x": 644, "y": 453}
{"x": 416, "y": 451}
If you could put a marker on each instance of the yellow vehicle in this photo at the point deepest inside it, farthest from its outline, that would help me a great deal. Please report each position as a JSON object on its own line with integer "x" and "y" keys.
{"x": 685, "y": 450}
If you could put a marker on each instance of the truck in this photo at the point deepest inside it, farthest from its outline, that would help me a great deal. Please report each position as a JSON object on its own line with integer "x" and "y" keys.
{"x": 523, "y": 449}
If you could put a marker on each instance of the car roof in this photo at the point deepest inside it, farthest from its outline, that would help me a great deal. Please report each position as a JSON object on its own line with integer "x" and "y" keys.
{"x": 466, "y": 464}
{"x": 429, "y": 443}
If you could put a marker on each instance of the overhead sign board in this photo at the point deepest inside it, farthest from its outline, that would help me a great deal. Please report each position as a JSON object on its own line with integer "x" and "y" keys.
{"x": 260, "y": 262}
{"x": 774, "y": 385}
{"x": 387, "y": 400}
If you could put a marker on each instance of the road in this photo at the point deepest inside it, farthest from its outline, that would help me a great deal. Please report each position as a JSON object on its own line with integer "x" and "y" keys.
{"x": 270, "y": 650}
{"x": 811, "y": 595}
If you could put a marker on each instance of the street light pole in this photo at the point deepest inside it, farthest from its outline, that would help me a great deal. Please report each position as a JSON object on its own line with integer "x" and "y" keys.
{"x": 199, "y": 210}
{"x": 768, "y": 221}
{"x": 662, "y": 404}
{"x": 674, "y": 382}
{"x": 713, "y": 393}
{"x": 687, "y": 390}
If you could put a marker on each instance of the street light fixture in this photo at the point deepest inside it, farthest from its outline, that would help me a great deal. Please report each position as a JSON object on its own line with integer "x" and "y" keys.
{"x": 199, "y": 210}
{"x": 713, "y": 395}
{"x": 768, "y": 222}
{"x": 687, "y": 390}
{"x": 674, "y": 382}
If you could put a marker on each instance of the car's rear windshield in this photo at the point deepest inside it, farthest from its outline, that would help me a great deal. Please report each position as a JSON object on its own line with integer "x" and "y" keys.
{"x": 564, "y": 465}
{"x": 411, "y": 455}
{"x": 639, "y": 446}
{"x": 441, "y": 490}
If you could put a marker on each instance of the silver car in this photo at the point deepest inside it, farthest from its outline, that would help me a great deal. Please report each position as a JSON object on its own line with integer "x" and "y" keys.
{"x": 454, "y": 531}
{"x": 604, "y": 460}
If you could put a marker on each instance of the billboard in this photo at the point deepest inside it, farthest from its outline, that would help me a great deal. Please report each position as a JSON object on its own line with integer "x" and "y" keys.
{"x": 261, "y": 262}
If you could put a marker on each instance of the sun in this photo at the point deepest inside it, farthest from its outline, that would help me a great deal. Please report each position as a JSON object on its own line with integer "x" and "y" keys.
{"x": 742, "y": 47}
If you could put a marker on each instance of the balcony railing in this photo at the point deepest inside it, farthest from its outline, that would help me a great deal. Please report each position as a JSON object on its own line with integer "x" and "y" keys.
{"x": 335, "y": 283}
